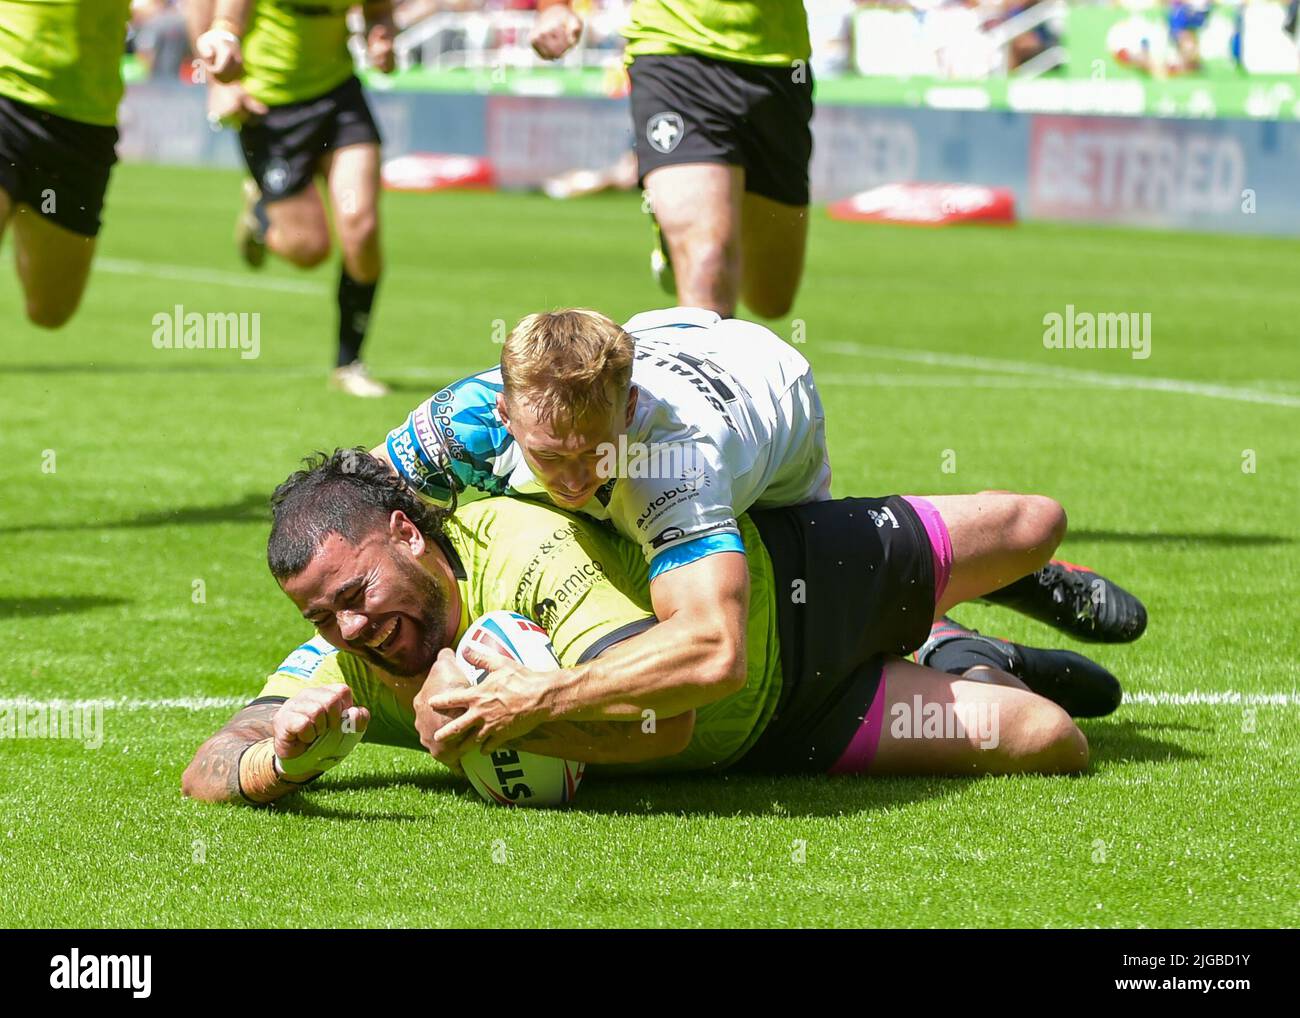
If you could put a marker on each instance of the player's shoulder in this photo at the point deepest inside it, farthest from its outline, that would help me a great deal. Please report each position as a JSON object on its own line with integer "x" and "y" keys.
{"x": 664, "y": 321}
{"x": 733, "y": 344}
{"x": 456, "y": 429}
{"x": 319, "y": 662}
{"x": 510, "y": 522}
{"x": 307, "y": 659}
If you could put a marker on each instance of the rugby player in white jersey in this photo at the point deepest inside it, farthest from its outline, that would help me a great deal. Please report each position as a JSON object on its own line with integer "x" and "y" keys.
{"x": 669, "y": 428}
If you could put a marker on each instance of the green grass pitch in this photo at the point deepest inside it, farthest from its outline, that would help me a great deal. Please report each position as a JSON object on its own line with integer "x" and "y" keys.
{"x": 929, "y": 347}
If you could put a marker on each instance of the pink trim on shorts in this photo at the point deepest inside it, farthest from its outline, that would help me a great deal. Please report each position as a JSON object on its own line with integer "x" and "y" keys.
{"x": 940, "y": 542}
{"x": 862, "y": 747}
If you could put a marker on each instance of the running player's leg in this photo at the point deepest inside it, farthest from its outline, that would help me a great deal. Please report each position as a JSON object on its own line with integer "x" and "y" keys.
{"x": 54, "y": 173}
{"x": 773, "y": 238}
{"x": 53, "y": 265}
{"x": 282, "y": 149}
{"x": 776, "y": 144}
{"x": 353, "y": 177}
{"x": 298, "y": 229}
{"x": 688, "y": 115}
{"x": 926, "y": 722}
{"x": 698, "y": 208}
{"x": 352, "y": 169}
{"x": 353, "y": 174}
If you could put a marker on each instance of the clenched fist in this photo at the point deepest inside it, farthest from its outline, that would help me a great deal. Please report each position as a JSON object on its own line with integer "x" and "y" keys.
{"x": 316, "y": 729}
{"x": 220, "y": 52}
{"x": 555, "y": 32}
{"x": 379, "y": 48}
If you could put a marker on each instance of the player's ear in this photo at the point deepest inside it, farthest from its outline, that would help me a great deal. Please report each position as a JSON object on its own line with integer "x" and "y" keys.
{"x": 503, "y": 411}
{"x": 402, "y": 531}
{"x": 631, "y": 405}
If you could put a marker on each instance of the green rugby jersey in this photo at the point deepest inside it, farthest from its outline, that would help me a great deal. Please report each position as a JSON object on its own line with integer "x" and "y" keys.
{"x": 583, "y": 583}
{"x": 295, "y": 50}
{"x": 64, "y": 56}
{"x": 771, "y": 32}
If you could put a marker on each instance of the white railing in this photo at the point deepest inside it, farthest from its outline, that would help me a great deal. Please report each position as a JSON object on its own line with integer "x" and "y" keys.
{"x": 949, "y": 41}
{"x": 1026, "y": 21}
{"x": 498, "y": 39}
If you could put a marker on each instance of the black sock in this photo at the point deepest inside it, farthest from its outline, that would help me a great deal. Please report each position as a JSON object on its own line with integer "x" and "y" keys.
{"x": 355, "y": 300}
{"x": 960, "y": 654}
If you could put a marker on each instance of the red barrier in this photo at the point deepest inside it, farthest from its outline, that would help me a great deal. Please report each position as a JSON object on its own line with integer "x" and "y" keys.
{"x": 430, "y": 171}
{"x": 928, "y": 204}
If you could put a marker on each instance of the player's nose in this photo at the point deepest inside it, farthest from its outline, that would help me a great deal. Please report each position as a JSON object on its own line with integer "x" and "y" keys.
{"x": 576, "y": 478}
{"x": 351, "y": 625}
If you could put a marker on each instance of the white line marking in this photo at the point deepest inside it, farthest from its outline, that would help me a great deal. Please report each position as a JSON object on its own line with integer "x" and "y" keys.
{"x": 1226, "y": 698}
{"x": 131, "y": 704}
{"x": 935, "y": 380}
{"x": 214, "y": 277}
{"x": 1076, "y": 376}
{"x": 1193, "y": 698}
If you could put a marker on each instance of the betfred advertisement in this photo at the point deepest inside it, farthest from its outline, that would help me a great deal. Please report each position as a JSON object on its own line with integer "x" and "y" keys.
{"x": 1137, "y": 171}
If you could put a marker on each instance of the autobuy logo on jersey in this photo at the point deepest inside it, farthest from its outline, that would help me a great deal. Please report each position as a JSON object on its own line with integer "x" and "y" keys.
{"x": 77, "y": 971}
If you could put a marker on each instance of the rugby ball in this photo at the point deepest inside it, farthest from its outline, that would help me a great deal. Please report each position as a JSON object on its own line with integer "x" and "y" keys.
{"x": 511, "y": 777}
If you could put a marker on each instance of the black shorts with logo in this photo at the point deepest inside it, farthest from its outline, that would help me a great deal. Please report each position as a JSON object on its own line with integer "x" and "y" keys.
{"x": 695, "y": 109}
{"x": 855, "y": 582}
{"x": 59, "y": 167}
{"x": 284, "y": 146}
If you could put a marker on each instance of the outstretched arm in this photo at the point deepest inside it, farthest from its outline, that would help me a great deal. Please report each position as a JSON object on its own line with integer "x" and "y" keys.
{"x": 213, "y": 774}
{"x": 270, "y": 749}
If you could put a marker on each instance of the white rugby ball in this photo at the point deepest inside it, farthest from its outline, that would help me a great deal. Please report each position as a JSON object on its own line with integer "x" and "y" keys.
{"x": 511, "y": 777}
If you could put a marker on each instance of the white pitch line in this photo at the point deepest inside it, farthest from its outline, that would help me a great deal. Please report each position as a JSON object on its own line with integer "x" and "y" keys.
{"x": 1193, "y": 698}
{"x": 1227, "y": 698}
{"x": 1079, "y": 376}
{"x": 214, "y": 277}
{"x": 132, "y": 704}
{"x": 932, "y": 380}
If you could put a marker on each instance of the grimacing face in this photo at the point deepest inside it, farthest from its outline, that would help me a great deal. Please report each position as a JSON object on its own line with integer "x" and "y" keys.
{"x": 382, "y": 599}
{"x": 566, "y": 457}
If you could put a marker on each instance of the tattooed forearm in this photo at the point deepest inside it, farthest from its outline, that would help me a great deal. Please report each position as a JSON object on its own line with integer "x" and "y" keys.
{"x": 213, "y": 774}
{"x": 609, "y": 742}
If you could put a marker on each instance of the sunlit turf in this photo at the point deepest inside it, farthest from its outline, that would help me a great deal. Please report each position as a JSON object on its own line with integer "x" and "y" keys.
{"x": 132, "y": 529}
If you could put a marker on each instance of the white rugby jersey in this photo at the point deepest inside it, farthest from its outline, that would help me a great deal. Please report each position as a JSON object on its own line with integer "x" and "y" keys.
{"x": 727, "y": 418}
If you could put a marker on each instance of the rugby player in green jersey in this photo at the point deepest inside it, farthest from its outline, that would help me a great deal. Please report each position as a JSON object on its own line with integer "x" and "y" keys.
{"x": 281, "y": 70}
{"x": 60, "y": 83}
{"x": 391, "y": 584}
{"x": 721, "y": 112}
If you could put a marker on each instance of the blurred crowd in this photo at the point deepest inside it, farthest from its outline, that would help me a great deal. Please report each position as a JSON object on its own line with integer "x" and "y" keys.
{"x": 158, "y": 34}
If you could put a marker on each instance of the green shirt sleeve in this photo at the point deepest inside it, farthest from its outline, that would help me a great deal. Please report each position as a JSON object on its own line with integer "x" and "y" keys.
{"x": 319, "y": 663}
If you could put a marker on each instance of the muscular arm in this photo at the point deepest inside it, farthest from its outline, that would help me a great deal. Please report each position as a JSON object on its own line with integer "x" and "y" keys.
{"x": 236, "y": 12}
{"x": 213, "y": 774}
{"x": 610, "y": 742}
{"x": 694, "y": 656}
{"x": 198, "y": 17}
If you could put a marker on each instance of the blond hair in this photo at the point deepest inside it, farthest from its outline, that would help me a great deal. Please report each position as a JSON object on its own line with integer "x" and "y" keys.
{"x": 567, "y": 365}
